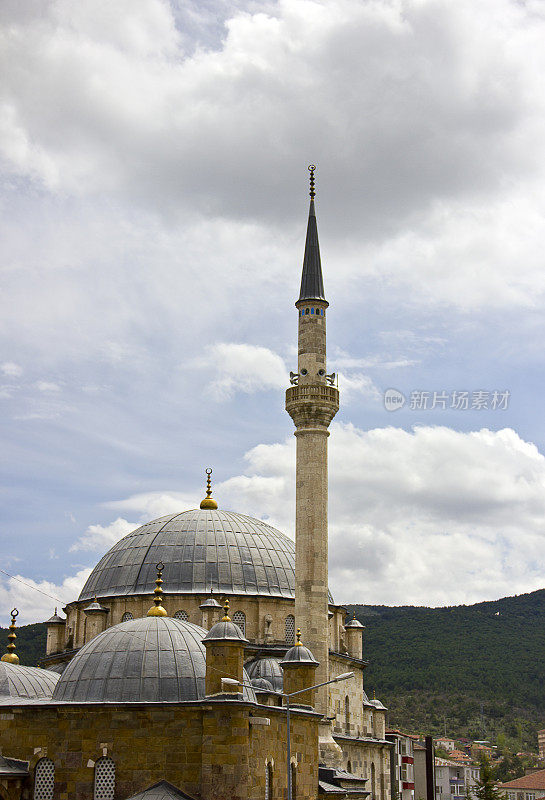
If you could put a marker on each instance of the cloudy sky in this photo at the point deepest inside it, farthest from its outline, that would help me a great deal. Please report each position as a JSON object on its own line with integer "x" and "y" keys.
{"x": 154, "y": 198}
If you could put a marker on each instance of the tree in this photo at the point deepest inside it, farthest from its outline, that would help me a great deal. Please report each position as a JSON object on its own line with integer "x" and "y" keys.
{"x": 509, "y": 768}
{"x": 485, "y": 788}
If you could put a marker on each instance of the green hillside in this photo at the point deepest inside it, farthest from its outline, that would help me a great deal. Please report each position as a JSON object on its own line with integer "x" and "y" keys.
{"x": 478, "y": 670}
{"x": 30, "y": 642}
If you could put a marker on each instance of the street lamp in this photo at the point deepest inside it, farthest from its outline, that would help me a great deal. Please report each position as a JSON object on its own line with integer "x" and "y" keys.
{"x": 343, "y": 677}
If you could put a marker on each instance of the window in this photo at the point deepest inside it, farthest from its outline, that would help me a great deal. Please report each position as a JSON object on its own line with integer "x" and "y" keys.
{"x": 126, "y": 616}
{"x": 104, "y": 779}
{"x": 268, "y": 782}
{"x": 306, "y": 310}
{"x": 347, "y": 715}
{"x": 373, "y": 783}
{"x": 349, "y": 766}
{"x": 239, "y": 618}
{"x": 44, "y": 779}
{"x": 290, "y": 629}
{"x": 293, "y": 782}
{"x": 181, "y": 615}
{"x": 312, "y": 311}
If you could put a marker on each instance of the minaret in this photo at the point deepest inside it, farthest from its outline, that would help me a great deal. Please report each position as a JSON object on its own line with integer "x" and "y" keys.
{"x": 312, "y": 401}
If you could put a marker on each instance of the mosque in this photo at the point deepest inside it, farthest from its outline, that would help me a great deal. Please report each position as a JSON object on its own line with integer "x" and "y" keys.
{"x": 168, "y": 677}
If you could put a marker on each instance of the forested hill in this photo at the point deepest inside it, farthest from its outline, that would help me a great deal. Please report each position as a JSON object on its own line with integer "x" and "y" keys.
{"x": 30, "y": 642}
{"x": 481, "y": 666}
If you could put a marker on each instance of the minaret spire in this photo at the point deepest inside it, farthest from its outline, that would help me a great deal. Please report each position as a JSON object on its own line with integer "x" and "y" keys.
{"x": 312, "y": 282}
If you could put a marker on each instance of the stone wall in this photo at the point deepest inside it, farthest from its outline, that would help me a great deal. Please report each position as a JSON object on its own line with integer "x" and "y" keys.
{"x": 256, "y": 610}
{"x": 353, "y": 688}
{"x": 209, "y": 750}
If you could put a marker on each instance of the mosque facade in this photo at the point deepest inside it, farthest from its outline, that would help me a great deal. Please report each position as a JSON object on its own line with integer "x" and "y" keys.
{"x": 186, "y": 697}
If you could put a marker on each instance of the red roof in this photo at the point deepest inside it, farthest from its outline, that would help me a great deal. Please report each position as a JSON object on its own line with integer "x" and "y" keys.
{"x": 536, "y": 780}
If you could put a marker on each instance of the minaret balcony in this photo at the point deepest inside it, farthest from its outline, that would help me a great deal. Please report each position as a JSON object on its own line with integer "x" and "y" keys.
{"x": 312, "y": 404}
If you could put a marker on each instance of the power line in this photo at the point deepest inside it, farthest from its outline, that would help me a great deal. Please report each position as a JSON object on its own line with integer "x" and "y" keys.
{"x": 52, "y": 597}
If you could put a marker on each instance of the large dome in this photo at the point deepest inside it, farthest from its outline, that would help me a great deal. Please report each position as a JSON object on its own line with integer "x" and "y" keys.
{"x": 151, "y": 659}
{"x": 201, "y": 549}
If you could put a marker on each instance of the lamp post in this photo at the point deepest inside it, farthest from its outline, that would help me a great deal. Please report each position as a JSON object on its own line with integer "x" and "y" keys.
{"x": 343, "y": 677}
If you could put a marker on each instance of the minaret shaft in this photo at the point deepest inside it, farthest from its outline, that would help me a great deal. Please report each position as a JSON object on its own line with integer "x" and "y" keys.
{"x": 311, "y": 589}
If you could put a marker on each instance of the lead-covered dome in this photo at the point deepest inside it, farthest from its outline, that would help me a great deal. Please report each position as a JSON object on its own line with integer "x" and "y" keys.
{"x": 152, "y": 659}
{"x": 17, "y": 680}
{"x": 201, "y": 549}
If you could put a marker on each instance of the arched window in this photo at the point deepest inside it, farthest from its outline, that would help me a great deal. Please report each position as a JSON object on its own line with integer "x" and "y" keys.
{"x": 290, "y": 629}
{"x": 347, "y": 715}
{"x": 127, "y": 616}
{"x": 104, "y": 779}
{"x": 239, "y": 618}
{"x": 349, "y": 766}
{"x": 182, "y": 615}
{"x": 293, "y": 781}
{"x": 44, "y": 779}
{"x": 268, "y": 782}
{"x": 373, "y": 784}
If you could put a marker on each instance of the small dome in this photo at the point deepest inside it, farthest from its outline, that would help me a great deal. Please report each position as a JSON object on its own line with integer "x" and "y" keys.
{"x": 268, "y": 668}
{"x": 225, "y": 629}
{"x": 202, "y": 548}
{"x": 354, "y": 623}
{"x": 378, "y": 705}
{"x": 30, "y": 682}
{"x": 298, "y": 654}
{"x": 55, "y": 620}
{"x": 262, "y": 684}
{"x": 209, "y": 603}
{"x": 96, "y": 608}
{"x": 152, "y": 659}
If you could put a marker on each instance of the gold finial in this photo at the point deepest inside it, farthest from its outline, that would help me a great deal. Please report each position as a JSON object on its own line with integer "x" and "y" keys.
{"x": 354, "y": 617}
{"x": 298, "y": 634}
{"x": 226, "y": 617}
{"x": 374, "y": 695}
{"x": 312, "y": 170}
{"x": 11, "y": 657}
{"x": 157, "y": 609}
{"x": 209, "y": 501}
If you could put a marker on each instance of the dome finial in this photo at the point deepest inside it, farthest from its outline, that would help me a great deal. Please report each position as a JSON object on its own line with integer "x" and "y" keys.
{"x": 312, "y": 170}
{"x": 226, "y": 617}
{"x": 299, "y": 642}
{"x": 209, "y": 501}
{"x": 157, "y": 609}
{"x": 11, "y": 657}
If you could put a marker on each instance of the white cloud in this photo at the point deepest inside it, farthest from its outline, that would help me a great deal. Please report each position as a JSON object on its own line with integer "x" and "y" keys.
{"x": 357, "y": 385}
{"x": 432, "y": 516}
{"x": 47, "y": 386}
{"x": 429, "y": 517}
{"x": 102, "y": 537}
{"x": 11, "y": 370}
{"x": 241, "y": 368}
{"x": 36, "y": 600}
{"x": 151, "y": 505}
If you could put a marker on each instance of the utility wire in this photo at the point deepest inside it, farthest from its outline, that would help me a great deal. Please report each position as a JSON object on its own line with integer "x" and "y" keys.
{"x": 32, "y": 587}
